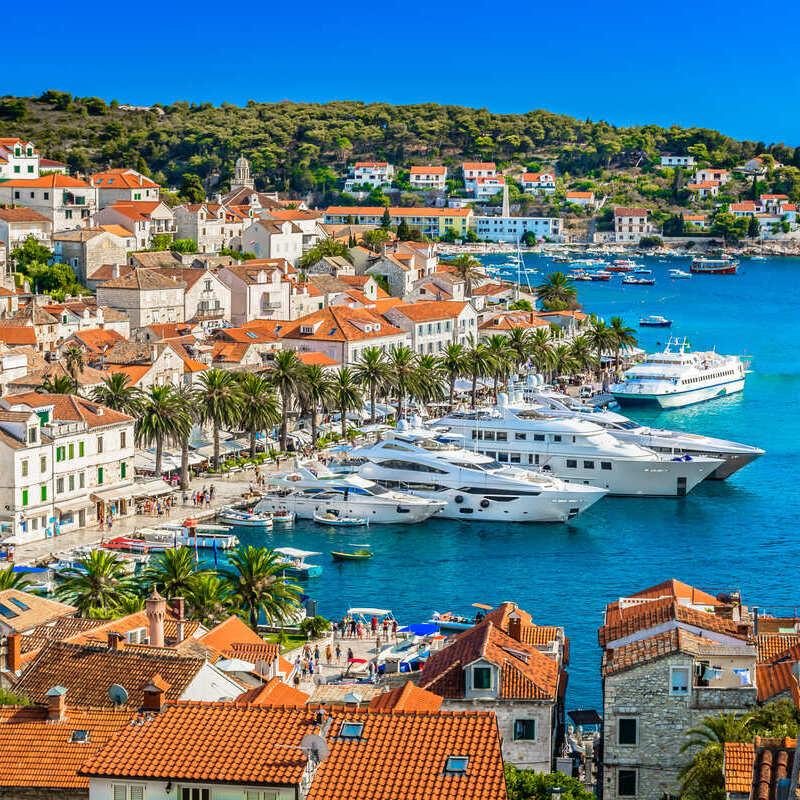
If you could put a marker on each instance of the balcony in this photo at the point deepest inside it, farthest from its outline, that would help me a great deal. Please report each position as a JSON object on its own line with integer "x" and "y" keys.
{"x": 73, "y": 200}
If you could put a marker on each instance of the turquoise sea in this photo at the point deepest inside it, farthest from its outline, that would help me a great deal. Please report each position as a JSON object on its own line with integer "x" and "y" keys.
{"x": 736, "y": 534}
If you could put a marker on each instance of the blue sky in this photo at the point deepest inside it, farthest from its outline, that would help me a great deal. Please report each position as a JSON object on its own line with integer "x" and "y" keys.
{"x": 730, "y": 66}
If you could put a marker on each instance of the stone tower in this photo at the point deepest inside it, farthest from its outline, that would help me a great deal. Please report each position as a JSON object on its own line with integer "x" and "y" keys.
{"x": 156, "y": 611}
{"x": 242, "y": 179}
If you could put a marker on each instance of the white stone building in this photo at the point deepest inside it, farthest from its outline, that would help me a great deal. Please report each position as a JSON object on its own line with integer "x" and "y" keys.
{"x": 86, "y": 250}
{"x": 206, "y": 299}
{"x": 472, "y": 170}
{"x": 539, "y": 182}
{"x": 435, "y": 324}
{"x": 126, "y": 185}
{"x": 685, "y": 162}
{"x": 489, "y": 186}
{"x": 512, "y": 229}
{"x": 428, "y": 177}
{"x": 145, "y": 296}
{"x": 64, "y": 200}
{"x": 630, "y": 224}
{"x": 211, "y": 225}
{"x": 259, "y": 290}
{"x": 144, "y": 219}
{"x": 18, "y": 223}
{"x": 272, "y": 238}
{"x": 18, "y": 159}
{"x": 370, "y": 173}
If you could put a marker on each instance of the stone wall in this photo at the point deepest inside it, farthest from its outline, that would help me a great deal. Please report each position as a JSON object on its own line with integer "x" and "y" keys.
{"x": 28, "y": 793}
{"x": 643, "y": 693}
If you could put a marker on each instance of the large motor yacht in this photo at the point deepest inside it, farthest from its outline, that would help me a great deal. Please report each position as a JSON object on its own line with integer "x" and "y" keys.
{"x": 316, "y": 490}
{"x": 472, "y": 486}
{"x": 673, "y": 443}
{"x": 677, "y": 377}
{"x": 576, "y": 450}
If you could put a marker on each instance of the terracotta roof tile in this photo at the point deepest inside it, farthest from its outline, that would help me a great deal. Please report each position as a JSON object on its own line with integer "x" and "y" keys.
{"x": 775, "y": 679}
{"x": 273, "y": 693}
{"x": 320, "y": 359}
{"x": 37, "y": 611}
{"x": 88, "y": 670}
{"x": 40, "y": 753}
{"x": 63, "y": 628}
{"x": 142, "y": 279}
{"x": 738, "y": 767}
{"x": 22, "y": 214}
{"x": 773, "y": 645}
{"x": 70, "y": 408}
{"x": 407, "y": 697}
{"x": 230, "y": 631}
{"x": 341, "y": 323}
{"x": 54, "y": 181}
{"x": 122, "y": 178}
{"x": 17, "y": 335}
{"x": 430, "y": 310}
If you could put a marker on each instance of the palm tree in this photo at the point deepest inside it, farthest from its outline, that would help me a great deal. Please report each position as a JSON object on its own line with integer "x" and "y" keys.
{"x": 13, "y": 580}
{"x": 73, "y": 359}
{"x": 372, "y": 370}
{"x": 345, "y": 394}
{"x": 582, "y": 352}
{"x": 158, "y": 420}
{"x": 119, "y": 393}
{"x": 541, "y": 350}
{"x": 259, "y": 406}
{"x": 208, "y": 598}
{"x": 557, "y": 292}
{"x": 469, "y": 269}
{"x": 621, "y": 336}
{"x": 316, "y": 390}
{"x": 60, "y": 384}
{"x": 600, "y": 336}
{"x": 287, "y": 377}
{"x": 497, "y": 350}
{"x": 428, "y": 379}
{"x": 479, "y": 364}
{"x": 186, "y": 415}
{"x": 325, "y": 247}
{"x": 172, "y": 572}
{"x": 402, "y": 362}
{"x": 254, "y": 577}
{"x": 218, "y": 403}
{"x": 96, "y": 584}
{"x": 126, "y": 604}
{"x": 519, "y": 346}
{"x": 563, "y": 361}
{"x": 718, "y": 730}
{"x": 453, "y": 363}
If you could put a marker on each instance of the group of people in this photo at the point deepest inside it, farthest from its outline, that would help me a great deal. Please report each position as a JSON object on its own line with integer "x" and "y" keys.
{"x": 351, "y": 628}
{"x": 202, "y": 497}
{"x": 307, "y": 664}
{"x": 158, "y": 506}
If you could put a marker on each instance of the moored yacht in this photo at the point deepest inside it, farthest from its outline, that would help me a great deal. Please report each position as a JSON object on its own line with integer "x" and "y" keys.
{"x": 473, "y": 486}
{"x": 576, "y": 450}
{"x": 734, "y": 455}
{"x": 678, "y": 377}
{"x": 317, "y": 490}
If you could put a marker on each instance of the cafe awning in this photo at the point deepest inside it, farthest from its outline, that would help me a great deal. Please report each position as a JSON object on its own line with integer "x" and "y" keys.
{"x": 109, "y": 495}
{"x": 152, "y": 489}
{"x": 71, "y": 505}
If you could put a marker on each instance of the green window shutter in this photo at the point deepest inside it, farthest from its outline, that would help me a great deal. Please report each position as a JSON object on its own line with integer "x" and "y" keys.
{"x": 123, "y": 469}
{"x": 80, "y": 449}
{"x": 99, "y": 475}
{"x": 24, "y": 497}
{"x": 44, "y": 493}
{"x": 71, "y": 451}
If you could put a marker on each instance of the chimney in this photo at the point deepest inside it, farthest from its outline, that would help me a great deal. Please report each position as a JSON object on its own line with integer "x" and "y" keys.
{"x": 13, "y": 652}
{"x": 177, "y": 604}
{"x": 116, "y": 641}
{"x": 115, "y": 270}
{"x": 153, "y": 693}
{"x": 156, "y": 609}
{"x": 153, "y": 353}
{"x": 56, "y": 703}
{"x": 515, "y": 625}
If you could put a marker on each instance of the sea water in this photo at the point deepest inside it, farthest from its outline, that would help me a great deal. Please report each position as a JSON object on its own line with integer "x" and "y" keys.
{"x": 741, "y": 533}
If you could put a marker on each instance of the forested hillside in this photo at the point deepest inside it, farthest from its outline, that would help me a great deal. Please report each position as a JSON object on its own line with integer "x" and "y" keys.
{"x": 305, "y": 147}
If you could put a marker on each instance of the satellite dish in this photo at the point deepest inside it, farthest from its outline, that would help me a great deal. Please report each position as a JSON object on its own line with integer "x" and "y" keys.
{"x": 315, "y": 746}
{"x": 118, "y": 694}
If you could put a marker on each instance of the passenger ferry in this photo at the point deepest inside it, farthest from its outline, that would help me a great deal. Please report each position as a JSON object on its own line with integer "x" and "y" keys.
{"x": 677, "y": 377}
{"x": 714, "y": 266}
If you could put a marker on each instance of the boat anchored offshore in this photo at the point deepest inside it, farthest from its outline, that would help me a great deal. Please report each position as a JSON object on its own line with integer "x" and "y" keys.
{"x": 654, "y": 321}
{"x": 576, "y": 450}
{"x": 472, "y": 486}
{"x": 714, "y": 266}
{"x": 294, "y": 562}
{"x": 332, "y": 518}
{"x": 679, "y": 273}
{"x": 316, "y": 490}
{"x": 244, "y": 519}
{"x": 668, "y": 442}
{"x": 677, "y": 377}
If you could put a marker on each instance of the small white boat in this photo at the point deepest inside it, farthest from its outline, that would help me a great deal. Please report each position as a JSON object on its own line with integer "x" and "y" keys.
{"x": 244, "y": 519}
{"x": 283, "y": 517}
{"x": 679, "y": 273}
{"x": 329, "y": 518}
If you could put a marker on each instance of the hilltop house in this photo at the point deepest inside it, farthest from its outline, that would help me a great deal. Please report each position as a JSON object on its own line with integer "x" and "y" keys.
{"x": 585, "y": 199}
{"x": 370, "y": 173}
{"x": 538, "y": 182}
{"x": 272, "y": 238}
{"x": 684, "y": 162}
{"x": 18, "y": 223}
{"x": 123, "y": 185}
{"x": 722, "y": 176}
{"x": 143, "y": 219}
{"x": 18, "y": 159}
{"x": 704, "y": 189}
{"x": 630, "y": 224}
{"x": 428, "y": 177}
{"x": 62, "y": 199}
{"x": 488, "y": 186}
{"x": 86, "y": 250}
{"x": 472, "y": 170}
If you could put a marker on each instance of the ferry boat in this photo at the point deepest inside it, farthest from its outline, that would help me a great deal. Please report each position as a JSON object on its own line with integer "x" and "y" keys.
{"x": 678, "y": 377}
{"x": 575, "y": 450}
{"x": 654, "y": 321}
{"x": 714, "y": 266}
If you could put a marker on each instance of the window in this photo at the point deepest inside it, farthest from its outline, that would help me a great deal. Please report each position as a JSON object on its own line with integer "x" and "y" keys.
{"x": 626, "y": 782}
{"x": 43, "y": 463}
{"x": 481, "y": 678}
{"x": 72, "y": 483}
{"x": 605, "y": 465}
{"x": 99, "y": 475}
{"x": 679, "y": 681}
{"x": 44, "y": 493}
{"x": 588, "y": 464}
{"x": 80, "y": 449}
{"x": 80, "y": 736}
{"x": 502, "y": 436}
{"x": 60, "y": 486}
{"x": 572, "y": 463}
{"x": 99, "y": 444}
{"x": 351, "y": 730}
{"x": 520, "y": 436}
{"x": 31, "y": 435}
{"x": 628, "y": 730}
{"x": 488, "y": 435}
{"x": 456, "y": 764}
{"x": 524, "y": 729}
{"x": 557, "y": 438}
{"x": 538, "y": 437}
{"x": 24, "y": 467}
{"x": 71, "y": 451}
{"x": 60, "y": 452}
{"x": 81, "y": 480}
{"x": 123, "y": 470}
{"x": 192, "y": 793}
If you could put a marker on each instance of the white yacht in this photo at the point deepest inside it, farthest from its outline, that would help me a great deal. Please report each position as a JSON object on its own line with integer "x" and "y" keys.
{"x": 471, "y": 485}
{"x": 576, "y": 450}
{"x": 316, "y": 490}
{"x": 678, "y": 377}
{"x": 674, "y": 443}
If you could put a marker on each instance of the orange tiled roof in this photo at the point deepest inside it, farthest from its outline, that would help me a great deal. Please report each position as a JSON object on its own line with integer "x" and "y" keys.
{"x": 252, "y": 651}
{"x": 38, "y": 611}
{"x": 53, "y": 181}
{"x": 430, "y": 310}
{"x": 775, "y": 679}
{"x": 340, "y": 323}
{"x": 537, "y": 635}
{"x": 479, "y": 165}
{"x": 70, "y": 408}
{"x": 95, "y": 340}
{"x": 583, "y": 195}
{"x": 135, "y": 372}
{"x": 407, "y": 697}
{"x": 673, "y": 588}
{"x": 772, "y": 646}
{"x": 526, "y": 673}
{"x": 17, "y": 334}
{"x": 39, "y": 753}
{"x": 320, "y": 359}
{"x": 246, "y": 335}
{"x": 396, "y": 211}
{"x": 273, "y": 693}
{"x": 738, "y": 767}
{"x": 428, "y": 170}
{"x": 22, "y": 214}
{"x": 243, "y": 742}
{"x": 88, "y": 670}
{"x": 536, "y": 177}
{"x": 632, "y": 211}
{"x": 122, "y": 178}
{"x": 229, "y": 352}
{"x": 228, "y": 632}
